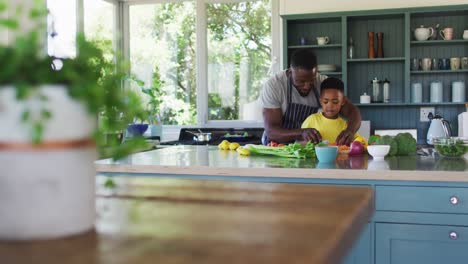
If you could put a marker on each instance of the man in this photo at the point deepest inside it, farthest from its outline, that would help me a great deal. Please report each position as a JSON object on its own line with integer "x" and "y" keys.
{"x": 292, "y": 95}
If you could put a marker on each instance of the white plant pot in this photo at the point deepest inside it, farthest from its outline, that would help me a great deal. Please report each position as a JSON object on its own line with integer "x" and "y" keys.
{"x": 46, "y": 191}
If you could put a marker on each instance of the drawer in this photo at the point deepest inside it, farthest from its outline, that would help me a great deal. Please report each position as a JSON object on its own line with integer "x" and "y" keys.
{"x": 422, "y": 199}
{"x": 425, "y": 244}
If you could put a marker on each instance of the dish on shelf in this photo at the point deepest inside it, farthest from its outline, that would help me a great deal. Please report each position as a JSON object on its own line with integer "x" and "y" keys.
{"x": 326, "y": 67}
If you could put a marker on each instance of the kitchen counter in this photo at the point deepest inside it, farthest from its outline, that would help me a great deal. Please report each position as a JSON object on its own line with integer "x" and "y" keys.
{"x": 210, "y": 161}
{"x": 157, "y": 220}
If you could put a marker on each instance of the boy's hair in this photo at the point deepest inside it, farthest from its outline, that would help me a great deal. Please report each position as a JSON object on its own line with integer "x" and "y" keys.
{"x": 332, "y": 83}
{"x": 303, "y": 59}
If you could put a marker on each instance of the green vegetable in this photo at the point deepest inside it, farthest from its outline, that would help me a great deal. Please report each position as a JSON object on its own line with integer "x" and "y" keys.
{"x": 373, "y": 139}
{"x": 293, "y": 150}
{"x": 451, "y": 147}
{"x": 388, "y": 140}
{"x": 406, "y": 144}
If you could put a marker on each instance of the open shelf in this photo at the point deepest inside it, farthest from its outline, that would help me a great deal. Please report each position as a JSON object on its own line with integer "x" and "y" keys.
{"x": 439, "y": 71}
{"x": 314, "y": 46}
{"x": 443, "y": 42}
{"x": 331, "y": 73}
{"x": 407, "y": 104}
{"x": 376, "y": 59}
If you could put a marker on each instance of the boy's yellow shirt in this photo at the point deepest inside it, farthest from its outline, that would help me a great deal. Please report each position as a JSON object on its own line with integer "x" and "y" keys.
{"x": 329, "y": 128}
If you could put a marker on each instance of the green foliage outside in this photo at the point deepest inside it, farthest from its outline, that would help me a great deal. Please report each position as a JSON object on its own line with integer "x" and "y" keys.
{"x": 242, "y": 28}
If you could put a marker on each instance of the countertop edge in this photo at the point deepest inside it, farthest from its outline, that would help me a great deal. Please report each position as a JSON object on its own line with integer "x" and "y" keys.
{"x": 388, "y": 175}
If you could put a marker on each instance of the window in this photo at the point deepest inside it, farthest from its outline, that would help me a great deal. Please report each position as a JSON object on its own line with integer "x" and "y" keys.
{"x": 229, "y": 41}
{"x": 61, "y": 28}
{"x": 99, "y": 24}
{"x": 163, "y": 55}
{"x": 239, "y": 57}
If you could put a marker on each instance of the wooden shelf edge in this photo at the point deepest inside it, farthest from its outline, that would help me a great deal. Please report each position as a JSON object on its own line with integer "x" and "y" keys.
{"x": 314, "y": 46}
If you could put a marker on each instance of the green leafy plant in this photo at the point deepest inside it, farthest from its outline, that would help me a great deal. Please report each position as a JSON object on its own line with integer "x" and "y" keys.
{"x": 89, "y": 78}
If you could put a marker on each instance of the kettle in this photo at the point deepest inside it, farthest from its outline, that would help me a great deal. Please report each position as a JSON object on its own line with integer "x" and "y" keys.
{"x": 438, "y": 128}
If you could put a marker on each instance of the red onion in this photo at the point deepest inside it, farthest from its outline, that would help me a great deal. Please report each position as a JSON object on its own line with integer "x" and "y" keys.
{"x": 356, "y": 148}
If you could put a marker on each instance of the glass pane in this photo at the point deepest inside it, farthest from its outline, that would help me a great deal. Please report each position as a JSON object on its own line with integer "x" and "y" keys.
{"x": 239, "y": 47}
{"x": 99, "y": 24}
{"x": 61, "y": 28}
{"x": 162, "y": 55}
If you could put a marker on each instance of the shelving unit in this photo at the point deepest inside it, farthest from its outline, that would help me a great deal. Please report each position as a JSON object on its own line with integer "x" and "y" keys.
{"x": 399, "y": 47}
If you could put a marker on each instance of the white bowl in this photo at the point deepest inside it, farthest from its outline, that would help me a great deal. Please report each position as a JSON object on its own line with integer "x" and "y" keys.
{"x": 378, "y": 152}
{"x": 326, "y": 67}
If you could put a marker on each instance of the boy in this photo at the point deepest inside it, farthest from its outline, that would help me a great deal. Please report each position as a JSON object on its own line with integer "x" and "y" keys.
{"x": 328, "y": 122}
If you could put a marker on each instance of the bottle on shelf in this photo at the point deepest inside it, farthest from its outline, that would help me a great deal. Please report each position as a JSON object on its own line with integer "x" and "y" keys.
{"x": 380, "y": 53}
{"x": 386, "y": 91}
{"x": 350, "y": 48}
{"x": 376, "y": 91}
{"x": 371, "y": 48}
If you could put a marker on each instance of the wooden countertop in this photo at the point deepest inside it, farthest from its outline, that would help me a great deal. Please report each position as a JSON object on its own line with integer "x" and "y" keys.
{"x": 209, "y": 160}
{"x": 164, "y": 220}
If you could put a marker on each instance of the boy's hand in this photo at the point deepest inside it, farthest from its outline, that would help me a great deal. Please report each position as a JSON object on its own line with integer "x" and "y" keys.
{"x": 345, "y": 137}
{"x": 311, "y": 134}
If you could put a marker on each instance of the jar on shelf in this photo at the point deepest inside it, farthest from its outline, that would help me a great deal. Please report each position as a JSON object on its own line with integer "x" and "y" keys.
{"x": 376, "y": 90}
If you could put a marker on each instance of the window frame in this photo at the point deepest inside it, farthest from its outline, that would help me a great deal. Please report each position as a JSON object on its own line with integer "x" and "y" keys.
{"x": 123, "y": 45}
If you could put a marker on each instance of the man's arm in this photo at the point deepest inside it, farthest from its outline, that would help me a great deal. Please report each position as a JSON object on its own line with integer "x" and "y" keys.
{"x": 273, "y": 118}
{"x": 353, "y": 116}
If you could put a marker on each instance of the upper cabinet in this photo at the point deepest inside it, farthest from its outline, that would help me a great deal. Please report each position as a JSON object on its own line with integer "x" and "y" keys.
{"x": 398, "y": 56}
{"x": 324, "y": 35}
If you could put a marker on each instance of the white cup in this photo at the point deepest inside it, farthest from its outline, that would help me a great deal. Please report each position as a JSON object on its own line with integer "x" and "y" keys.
{"x": 322, "y": 40}
{"x": 465, "y": 34}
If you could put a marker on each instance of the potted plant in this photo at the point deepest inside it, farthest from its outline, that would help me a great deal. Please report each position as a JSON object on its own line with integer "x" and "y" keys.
{"x": 49, "y": 134}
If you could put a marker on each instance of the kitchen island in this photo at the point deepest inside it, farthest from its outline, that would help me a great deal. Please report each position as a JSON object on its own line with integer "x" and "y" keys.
{"x": 149, "y": 220}
{"x": 421, "y": 202}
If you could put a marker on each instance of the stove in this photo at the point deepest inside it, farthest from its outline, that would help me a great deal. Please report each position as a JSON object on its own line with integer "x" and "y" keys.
{"x": 241, "y": 135}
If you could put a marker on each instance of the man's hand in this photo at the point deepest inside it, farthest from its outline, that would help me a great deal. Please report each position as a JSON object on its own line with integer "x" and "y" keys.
{"x": 311, "y": 134}
{"x": 345, "y": 137}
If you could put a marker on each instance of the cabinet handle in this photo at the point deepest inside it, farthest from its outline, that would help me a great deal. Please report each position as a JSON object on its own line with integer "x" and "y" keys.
{"x": 453, "y": 235}
{"x": 454, "y": 200}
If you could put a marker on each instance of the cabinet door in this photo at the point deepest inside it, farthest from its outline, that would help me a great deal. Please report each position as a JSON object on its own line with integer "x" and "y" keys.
{"x": 361, "y": 251}
{"x": 424, "y": 244}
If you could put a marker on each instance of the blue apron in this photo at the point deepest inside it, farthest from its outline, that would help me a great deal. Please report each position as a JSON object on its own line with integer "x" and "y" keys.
{"x": 295, "y": 113}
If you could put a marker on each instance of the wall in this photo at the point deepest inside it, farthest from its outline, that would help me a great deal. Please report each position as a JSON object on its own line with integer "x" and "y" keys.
{"x": 319, "y": 6}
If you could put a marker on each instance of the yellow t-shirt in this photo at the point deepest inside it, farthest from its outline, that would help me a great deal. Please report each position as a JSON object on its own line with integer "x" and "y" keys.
{"x": 329, "y": 128}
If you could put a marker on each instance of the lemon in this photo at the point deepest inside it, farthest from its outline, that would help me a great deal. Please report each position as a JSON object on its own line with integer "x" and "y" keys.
{"x": 233, "y": 145}
{"x": 224, "y": 145}
{"x": 243, "y": 151}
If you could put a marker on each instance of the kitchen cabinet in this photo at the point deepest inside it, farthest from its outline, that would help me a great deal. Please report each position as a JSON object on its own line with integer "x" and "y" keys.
{"x": 361, "y": 253}
{"x": 399, "y": 48}
{"x": 428, "y": 244}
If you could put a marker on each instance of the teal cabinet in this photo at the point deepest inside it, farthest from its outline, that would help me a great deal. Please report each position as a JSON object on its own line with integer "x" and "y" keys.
{"x": 411, "y": 244}
{"x": 361, "y": 252}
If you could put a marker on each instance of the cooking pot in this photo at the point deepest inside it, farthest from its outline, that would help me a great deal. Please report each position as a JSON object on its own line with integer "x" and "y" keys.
{"x": 201, "y": 136}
